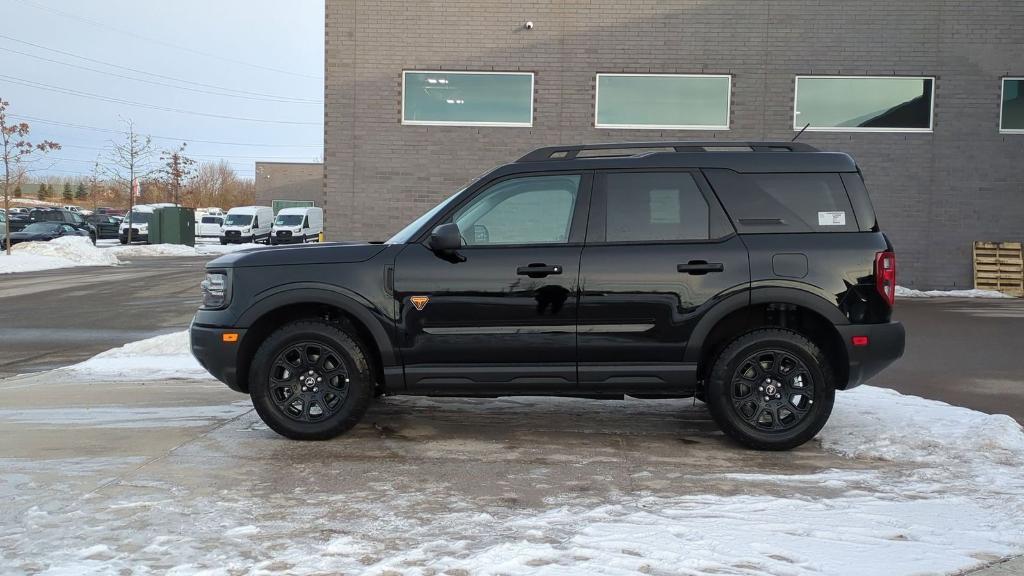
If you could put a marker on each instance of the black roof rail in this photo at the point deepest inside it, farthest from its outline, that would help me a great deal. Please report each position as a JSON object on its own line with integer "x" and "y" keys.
{"x": 572, "y": 152}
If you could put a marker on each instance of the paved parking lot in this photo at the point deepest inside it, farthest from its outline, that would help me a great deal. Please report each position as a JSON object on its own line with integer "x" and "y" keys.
{"x": 59, "y": 317}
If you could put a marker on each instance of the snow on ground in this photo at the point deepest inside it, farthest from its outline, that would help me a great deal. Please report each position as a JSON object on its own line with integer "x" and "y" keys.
{"x": 72, "y": 251}
{"x": 902, "y": 292}
{"x": 164, "y": 357}
{"x": 200, "y": 249}
{"x": 911, "y": 486}
{"x": 65, "y": 252}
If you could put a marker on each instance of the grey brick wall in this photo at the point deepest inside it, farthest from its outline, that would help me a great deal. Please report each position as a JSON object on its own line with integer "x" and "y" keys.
{"x": 934, "y": 193}
{"x": 289, "y": 181}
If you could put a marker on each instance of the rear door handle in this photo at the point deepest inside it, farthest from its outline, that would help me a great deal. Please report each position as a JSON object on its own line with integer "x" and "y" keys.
{"x": 538, "y": 270}
{"x": 699, "y": 267}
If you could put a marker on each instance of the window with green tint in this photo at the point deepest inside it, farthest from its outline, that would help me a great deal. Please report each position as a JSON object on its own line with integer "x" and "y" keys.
{"x": 1011, "y": 118}
{"x": 467, "y": 98}
{"x": 863, "y": 103}
{"x": 694, "y": 102}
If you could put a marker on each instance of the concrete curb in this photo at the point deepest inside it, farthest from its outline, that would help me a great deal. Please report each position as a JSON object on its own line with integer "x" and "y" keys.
{"x": 1011, "y": 567}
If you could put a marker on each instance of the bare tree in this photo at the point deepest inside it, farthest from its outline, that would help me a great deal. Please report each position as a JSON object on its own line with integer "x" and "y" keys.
{"x": 16, "y": 151}
{"x": 177, "y": 171}
{"x": 128, "y": 164}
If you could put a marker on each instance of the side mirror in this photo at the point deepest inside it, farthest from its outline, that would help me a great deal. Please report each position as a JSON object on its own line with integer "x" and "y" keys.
{"x": 445, "y": 238}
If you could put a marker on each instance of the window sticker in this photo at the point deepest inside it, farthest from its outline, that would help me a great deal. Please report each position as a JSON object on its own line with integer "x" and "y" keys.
{"x": 832, "y": 218}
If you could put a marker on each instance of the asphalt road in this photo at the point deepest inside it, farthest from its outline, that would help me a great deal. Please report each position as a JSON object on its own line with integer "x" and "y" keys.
{"x": 960, "y": 351}
{"x": 60, "y": 317}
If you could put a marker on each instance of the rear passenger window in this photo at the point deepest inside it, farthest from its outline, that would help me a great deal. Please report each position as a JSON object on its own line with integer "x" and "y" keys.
{"x": 784, "y": 203}
{"x": 654, "y": 206}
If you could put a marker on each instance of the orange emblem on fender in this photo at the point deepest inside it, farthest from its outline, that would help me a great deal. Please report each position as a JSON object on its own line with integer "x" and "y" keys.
{"x": 419, "y": 301}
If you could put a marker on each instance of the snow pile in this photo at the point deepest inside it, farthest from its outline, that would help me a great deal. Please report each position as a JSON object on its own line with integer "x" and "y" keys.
{"x": 64, "y": 252}
{"x": 902, "y": 292}
{"x": 870, "y": 422}
{"x": 150, "y": 250}
{"x": 164, "y": 357}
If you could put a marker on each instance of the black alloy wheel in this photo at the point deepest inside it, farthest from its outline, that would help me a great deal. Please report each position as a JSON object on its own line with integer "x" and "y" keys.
{"x": 308, "y": 381}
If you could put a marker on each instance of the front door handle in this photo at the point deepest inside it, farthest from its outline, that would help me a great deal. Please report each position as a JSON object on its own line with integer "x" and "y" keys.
{"x": 699, "y": 267}
{"x": 538, "y": 270}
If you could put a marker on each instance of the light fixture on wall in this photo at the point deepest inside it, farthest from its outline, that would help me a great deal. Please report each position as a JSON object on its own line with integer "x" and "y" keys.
{"x": 528, "y": 25}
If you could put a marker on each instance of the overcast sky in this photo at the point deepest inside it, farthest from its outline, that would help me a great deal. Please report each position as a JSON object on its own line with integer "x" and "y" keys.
{"x": 206, "y": 59}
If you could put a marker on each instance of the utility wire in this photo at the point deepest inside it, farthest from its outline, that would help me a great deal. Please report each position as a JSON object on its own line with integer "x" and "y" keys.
{"x": 100, "y": 97}
{"x": 165, "y": 43}
{"x": 177, "y": 138}
{"x": 283, "y": 100}
{"x": 191, "y": 155}
{"x": 153, "y": 74}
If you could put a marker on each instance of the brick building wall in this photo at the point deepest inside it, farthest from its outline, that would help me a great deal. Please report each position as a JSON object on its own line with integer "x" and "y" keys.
{"x": 289, "y": 181}
{"x": 935, "y": 192}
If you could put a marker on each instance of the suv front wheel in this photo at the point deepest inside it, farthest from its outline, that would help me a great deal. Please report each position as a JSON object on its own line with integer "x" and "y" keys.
{"x": 771, "y": 389}
{"x": 311, "y": 380}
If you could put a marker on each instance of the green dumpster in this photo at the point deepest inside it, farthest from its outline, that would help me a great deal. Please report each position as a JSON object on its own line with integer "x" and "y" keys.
{"x": 173, "y": 225}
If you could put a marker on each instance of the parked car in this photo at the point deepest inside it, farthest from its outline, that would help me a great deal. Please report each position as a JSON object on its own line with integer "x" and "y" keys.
{"x": 753, "y": 276}
{"x": 209, "y": 226}
{"x": 43, "y": 231}
{"x": 106, "y": 226}
{"x": 22, "y": 220}
{"x": 247, "y": 224}
{"x": 298, "y": 225}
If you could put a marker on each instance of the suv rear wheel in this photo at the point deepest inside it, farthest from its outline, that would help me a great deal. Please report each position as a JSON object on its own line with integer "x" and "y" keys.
{"x": 311, "y": 380}
{"x": 771, "y": 389}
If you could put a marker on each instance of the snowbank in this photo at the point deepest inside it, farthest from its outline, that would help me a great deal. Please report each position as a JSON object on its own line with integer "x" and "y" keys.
{"x": 164, "y": 357}
{"x": 65, "y": 252}
{"x": 149, "y": 250}
{"x": 902, "y": 292}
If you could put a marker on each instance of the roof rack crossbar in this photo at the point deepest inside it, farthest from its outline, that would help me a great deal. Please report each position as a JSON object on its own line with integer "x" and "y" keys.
{"x": 572, "y": 152}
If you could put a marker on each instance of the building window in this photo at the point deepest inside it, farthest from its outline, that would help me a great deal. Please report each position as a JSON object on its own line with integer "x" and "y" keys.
{"x": 1011, "y": 115}
{"x": 663, "y": 101}
{"x": 467, "y": 98}
{"x": 863, "y": 103}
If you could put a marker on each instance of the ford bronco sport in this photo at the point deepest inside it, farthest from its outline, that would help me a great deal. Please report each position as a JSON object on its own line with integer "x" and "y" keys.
{"x": 750, "y": 275}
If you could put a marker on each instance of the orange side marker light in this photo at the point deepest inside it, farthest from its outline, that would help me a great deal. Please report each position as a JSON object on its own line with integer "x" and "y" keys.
{"x": 230, "y": 337}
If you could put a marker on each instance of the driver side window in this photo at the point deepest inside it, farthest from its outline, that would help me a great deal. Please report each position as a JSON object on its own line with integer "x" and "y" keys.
{"x": 529, "y": 210}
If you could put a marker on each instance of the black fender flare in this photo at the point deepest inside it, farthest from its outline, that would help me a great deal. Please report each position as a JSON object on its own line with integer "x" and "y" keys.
{"x": 349, "y": 302}
{"x": 752, "y": 297}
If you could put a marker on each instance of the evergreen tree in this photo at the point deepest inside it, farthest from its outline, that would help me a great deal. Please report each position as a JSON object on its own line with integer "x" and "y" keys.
{"x": 44, "y": 192}
{"x": 17, "y": 191}
{"x": 69, "y": 195}
{"x": 81, "y": 193}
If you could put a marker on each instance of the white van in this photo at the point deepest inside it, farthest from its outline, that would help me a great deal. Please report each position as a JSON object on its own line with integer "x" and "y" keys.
{"x": 298, "y": 225}
{"x": 208, "y": 225}
{"x": 247, "y": 224}
{"x": 138, "y": 221}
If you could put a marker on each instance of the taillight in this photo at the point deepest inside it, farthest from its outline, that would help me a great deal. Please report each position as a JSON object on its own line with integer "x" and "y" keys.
{"x": 885, "y": 275}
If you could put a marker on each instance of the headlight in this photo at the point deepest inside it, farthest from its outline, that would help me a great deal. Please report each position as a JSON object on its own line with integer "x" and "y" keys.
{"x": 215, "y": 290}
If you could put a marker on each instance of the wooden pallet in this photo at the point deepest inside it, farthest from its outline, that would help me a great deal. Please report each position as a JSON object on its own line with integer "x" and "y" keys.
{"x": 999, "y": 266}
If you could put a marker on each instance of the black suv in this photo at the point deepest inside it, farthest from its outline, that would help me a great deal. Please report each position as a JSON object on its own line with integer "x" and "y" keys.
{"x": 750, "y": 275}
{"x": 60, "y": 215}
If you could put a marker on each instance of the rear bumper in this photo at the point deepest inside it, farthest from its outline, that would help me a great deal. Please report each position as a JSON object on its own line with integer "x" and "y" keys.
{"x": 219, "y": 358}
{"x": 886, "y": 343}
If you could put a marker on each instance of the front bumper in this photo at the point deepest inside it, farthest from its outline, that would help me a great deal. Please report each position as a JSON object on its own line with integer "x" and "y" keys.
{"x": 886, "y": 343}
{"x": 219, "y": 358}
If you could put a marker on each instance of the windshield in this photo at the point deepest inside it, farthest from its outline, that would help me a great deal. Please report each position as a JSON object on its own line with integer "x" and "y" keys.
{"x": 238, "y": 220}
{"x": 3, "y": 217}
{"x": 406, "y": 234}
{"x": 288, "y": 220}
{"x": 41, "y": 228}
{"x": 138, "y": 217}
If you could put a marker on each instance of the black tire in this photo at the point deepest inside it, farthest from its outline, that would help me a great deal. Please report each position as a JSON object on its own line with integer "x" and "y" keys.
{"x": 350, "y": 382}
{"x": 124, "y": 240}
{"x": 223, "y": 242}
{"x": 753, "y": 366}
